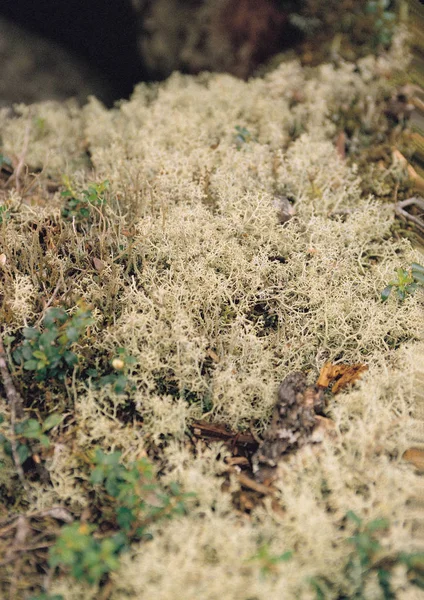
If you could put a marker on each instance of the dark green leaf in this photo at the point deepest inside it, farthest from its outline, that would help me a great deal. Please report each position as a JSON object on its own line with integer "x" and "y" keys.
{"x": 71, "y": 358}
{"x": 417, "y": 268}
{"x": 51, "y": 421}
{"x": 125, "y": 517}
{"x": 26, "y": 352}
{"x": 97, "y": 476}
{"x": 112, "y": 487}
{"x": 418, "y": 276}
{"x": 30, "y": 333}
{"x": 52, "y": 315}
{"x": 120, "y": 384}
{"x": 378, "y": 524}
{"x": 400, "y": 294}
{"x": 23, "y": 453}
{"x": 411, "y": 288}
{"x": 353, "y": 517}
{"x": 386, "y": 292}
{"x": 32, "y": 429}
{"x": 72, "y": 333}
{"x": 44, "y": 441}
{"x": 31, "y": 365}
{"x": 4, "y": 160}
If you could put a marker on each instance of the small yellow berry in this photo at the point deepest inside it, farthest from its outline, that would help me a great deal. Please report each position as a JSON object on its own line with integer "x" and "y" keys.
{"x": 118, "y": 364}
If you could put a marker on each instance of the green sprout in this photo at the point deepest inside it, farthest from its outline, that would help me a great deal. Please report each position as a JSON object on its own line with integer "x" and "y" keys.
{"x": 243, "y": 136}
{"x": 79, "y": 206}
{"x": 268, "y": 562}
{"x": 4, "y": 214}
{"x": 407, "y": 282}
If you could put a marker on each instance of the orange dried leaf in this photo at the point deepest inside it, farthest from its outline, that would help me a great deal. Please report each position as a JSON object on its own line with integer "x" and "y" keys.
{"x": 328, "y": 373}
{"x": 213, "y": 355}
{"x": 342, "y": 374}
{"x": 415, "y": 456}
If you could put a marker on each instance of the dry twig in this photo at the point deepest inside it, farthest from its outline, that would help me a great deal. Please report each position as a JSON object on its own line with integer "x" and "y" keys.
{"x": 16, "y": 410}
{"x": 13, "y": 397}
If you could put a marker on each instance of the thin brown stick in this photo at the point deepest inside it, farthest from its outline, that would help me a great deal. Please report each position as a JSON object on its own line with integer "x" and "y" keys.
{"x": 245, "y": 481}
{"x": 52, "y": 297}
{"x": 400, "y": 211}
{"x": 16, "y": 411}
{"x": 13, "y": 397}
{"x": 15, "y": 578}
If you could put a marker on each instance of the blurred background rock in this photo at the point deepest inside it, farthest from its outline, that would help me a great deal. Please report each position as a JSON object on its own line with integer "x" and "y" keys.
{"x": 62, "y": 48}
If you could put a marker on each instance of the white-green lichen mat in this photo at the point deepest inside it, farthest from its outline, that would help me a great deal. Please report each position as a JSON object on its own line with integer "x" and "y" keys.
{"x": 201, "y": 206}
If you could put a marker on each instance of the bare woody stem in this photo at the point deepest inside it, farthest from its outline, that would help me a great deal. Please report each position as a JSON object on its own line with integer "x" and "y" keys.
{"x": 16, "y": 410}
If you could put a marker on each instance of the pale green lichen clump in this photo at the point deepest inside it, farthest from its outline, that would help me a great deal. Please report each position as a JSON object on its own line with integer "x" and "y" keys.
{"x": 188, "y": 241}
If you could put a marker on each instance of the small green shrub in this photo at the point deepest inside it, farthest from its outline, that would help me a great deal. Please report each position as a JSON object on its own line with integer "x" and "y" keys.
{"x": 47, "y": 351}
{"x": 137, "y": 497}
{"x": 407, "y": 282}
{"x": 79, "y": 206}
{"x": 368, "y": 560}
{"x": 30, "y": 429}
{"x": 88, "y": 558}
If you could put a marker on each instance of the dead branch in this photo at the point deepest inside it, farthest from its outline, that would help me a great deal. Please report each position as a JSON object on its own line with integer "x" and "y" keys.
{"x": 16, "y": 410}
{"x": 13, "y": 397}
{"x": 414, "y": 202}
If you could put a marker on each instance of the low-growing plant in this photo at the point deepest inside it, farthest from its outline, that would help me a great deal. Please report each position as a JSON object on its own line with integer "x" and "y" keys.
{"x": 368, "y": 560}
{"x": 4, "y": 214}
{"x": 48, "y": 350}
{"x": 4, "y": 160}
{"x": 137, "y": 497}
{"x": 78, "y": 206}
{"x": 118, "y": 378}
{"x": 407, "y": 282}
{"x": 87, "y": 557}
{"x": 384, "y": 21}
{"x": 267, "y": 561}
{"x": 27, "y": 430}
{"x": 243, "y": 136}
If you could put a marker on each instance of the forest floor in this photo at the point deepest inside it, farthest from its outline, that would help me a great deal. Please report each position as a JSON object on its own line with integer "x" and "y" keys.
{"x": 211, "y": 346}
